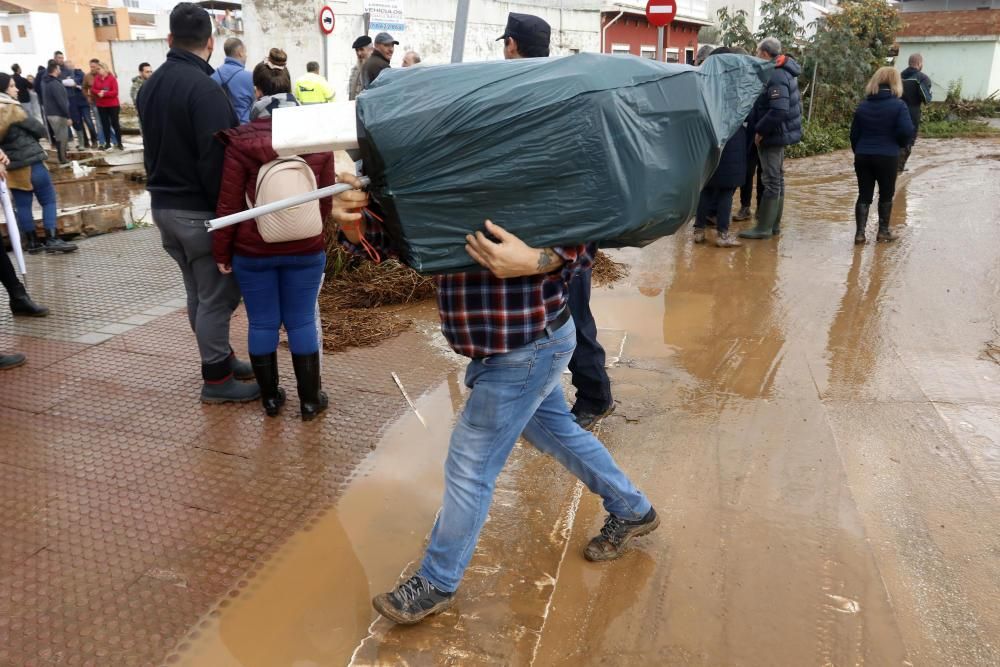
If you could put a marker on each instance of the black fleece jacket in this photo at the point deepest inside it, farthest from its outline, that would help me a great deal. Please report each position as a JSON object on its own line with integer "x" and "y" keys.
{"x": 180, "y": 110}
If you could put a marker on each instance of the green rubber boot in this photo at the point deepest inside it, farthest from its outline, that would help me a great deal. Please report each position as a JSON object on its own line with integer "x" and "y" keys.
{"x": 767, "y": 215}
{"x": 777, "y": 221}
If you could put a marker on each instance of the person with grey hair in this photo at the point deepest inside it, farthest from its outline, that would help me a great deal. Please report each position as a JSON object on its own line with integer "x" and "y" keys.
{"x": 411, "y": 58}
{"x": 775, "y": 122}
{"x": 703, "y": 53}
{"x": 235, "y": 80}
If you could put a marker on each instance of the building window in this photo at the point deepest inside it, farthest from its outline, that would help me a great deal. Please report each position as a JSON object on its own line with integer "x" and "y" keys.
{"x": 648, "y": 52}
{"x": 101, "y": 20}
{"x": 22, "y": 32}
{"x": 5, "y": 31}
{"x": 621, "y": 49}
{"x": 134, "y": 4}
{"x": 673, "y": 56}
{"x": 689, "y": 56}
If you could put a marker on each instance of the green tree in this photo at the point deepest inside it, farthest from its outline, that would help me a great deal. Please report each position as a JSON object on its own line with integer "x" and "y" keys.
{"x": 734, "y": 30}
{"x": 847, "y": 48}
{"x": 781, "y": 19}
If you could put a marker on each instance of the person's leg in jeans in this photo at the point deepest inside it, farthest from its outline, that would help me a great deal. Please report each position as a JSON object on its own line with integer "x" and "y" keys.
{"x": 45, "y": 192}
{"x": 23, "y": 203}
{"x": 96, "y": 119}
{"x": 706, "y": 204}
{"x": 865, "y": 173}
{"x": 115, "y": 116}
{"x": 771, "y": 159}
{"x": 299, "y": 284}
{"x": 724, "y": 205}
{"x": 89, "y": 134}
{"x": 513, "y": 393}
{"x": 885, "y": 173}
{"x": 212, "y": 298}
{"x": 587, "y": 366}
{"x": 103, "y": 112}
{"x": 747, "y": 189}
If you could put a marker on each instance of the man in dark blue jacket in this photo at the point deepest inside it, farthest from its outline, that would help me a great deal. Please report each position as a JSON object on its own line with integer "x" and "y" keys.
{"x": 916, "y": 93}
{"x": 181, "y": 109}
{"x": 775, "y": 122}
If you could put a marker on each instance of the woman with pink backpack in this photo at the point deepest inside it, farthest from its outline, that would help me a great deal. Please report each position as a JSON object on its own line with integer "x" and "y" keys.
{"x": 278, "y": 259}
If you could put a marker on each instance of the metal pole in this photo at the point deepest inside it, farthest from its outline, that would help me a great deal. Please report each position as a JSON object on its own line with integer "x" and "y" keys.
{"x": 289, "y": 202}
{"x": 815, "y": 91}
{"x": 461, "y": 23}
{"x": 326, "y": 57}
{"x": 660, "y": 55}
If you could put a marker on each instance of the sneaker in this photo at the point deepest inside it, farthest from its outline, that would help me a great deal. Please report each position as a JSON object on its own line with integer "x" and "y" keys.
{"x": 587, "y": 420}
{"x": 699, "y": 236}
{"x": 412, "y": 601}
{"x": 616, "y": 535}
{"x": 727, "y": 240}
{"x": 743, "y": 214}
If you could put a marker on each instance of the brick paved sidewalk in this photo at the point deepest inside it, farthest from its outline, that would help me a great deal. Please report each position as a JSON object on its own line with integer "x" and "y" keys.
{"x": 127, "y": 509}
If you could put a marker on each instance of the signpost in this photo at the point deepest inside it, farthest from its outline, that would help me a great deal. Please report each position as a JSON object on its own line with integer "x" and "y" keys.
{"x": 327, "y": 21}
{"x": 660, "y": 13}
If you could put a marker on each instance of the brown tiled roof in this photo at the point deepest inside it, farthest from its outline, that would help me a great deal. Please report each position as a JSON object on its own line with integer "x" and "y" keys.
{"x": 951, "y": 24}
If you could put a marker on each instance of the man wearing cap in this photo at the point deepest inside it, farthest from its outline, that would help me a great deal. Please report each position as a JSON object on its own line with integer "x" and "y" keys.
{"x": 379, "y": 59}
{"x": 362, "y": 48}
{"x": 528, "y": 36}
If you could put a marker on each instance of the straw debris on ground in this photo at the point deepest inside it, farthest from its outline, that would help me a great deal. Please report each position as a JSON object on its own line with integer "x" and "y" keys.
{"x": 356, "y": 289}
{"x": 607, "y": 271}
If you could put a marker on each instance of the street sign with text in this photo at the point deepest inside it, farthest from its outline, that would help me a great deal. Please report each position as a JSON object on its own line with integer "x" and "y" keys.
{"x": 661, "y": 12}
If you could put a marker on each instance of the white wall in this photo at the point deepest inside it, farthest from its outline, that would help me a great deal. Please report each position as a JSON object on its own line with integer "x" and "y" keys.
{"x": 975, "y": 62}
{"x": 44, "y": 36}
{"x": 293, "y": 26}
{"x": 126, "y": 56}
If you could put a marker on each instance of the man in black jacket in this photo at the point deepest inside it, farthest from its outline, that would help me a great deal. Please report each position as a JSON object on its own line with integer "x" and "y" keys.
{"x": 57, "y": 110}
{"x": 180, "y": 110}
{"x": 916, "y": 93}
{"x": 385, "y": 46}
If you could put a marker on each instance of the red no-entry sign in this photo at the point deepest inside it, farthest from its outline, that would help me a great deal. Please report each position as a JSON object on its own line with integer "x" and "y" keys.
{"x": 326, "y": 19}
{"x": 661, "y": 12}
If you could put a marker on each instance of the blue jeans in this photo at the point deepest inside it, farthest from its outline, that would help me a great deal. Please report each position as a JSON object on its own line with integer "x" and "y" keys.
{"x": 717, "y": 202}
{"x": 277, "y": 290}
{"x": 593, "y": 386}
{"x": 41, "y": 181}
{"x": 514, "y": 393}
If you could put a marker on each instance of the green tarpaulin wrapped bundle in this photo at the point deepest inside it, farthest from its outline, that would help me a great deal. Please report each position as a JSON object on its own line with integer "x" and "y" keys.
{"x": 559, "y": 151}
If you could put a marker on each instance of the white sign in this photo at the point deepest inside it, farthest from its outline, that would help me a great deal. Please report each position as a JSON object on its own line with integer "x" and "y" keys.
{"x": 385, "y": 16}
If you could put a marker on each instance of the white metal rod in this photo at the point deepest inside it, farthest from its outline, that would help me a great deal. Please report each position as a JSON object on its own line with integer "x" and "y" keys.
{"x": 297, "y": 200}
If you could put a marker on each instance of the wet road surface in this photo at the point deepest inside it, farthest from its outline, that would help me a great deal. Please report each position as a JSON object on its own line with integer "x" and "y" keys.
{"x": 817, "y": 423}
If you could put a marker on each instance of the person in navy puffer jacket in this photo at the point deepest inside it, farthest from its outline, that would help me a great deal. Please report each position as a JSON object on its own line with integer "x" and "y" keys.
{"x": 881, "y": 128}
{"x": 717, "y": 195}
{"x": 775, "y": 122}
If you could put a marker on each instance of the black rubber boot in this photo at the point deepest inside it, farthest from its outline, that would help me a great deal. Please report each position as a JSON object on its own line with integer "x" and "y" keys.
{"x": 312, "y": 399}
{"x": 265, "y": 369}
{"x": 33, "y": 245}
{"x": 22, "y": 305}
{"x": 12, "y": 360}
{"x": 884, "y": 214}
{"x": 54, "y": 244}
{"x": 861, "y": 222}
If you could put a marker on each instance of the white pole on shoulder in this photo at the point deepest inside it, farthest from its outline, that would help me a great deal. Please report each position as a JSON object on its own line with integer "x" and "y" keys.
{"x": 288, "y": 202}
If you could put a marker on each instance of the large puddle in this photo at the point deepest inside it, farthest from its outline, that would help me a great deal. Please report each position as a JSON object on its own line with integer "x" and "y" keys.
{"x": 816, "y": 422}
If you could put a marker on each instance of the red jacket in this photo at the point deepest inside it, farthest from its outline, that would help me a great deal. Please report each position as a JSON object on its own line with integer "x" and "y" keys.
{"x": 248, "y": 148}
{"x": 109, "y": 84}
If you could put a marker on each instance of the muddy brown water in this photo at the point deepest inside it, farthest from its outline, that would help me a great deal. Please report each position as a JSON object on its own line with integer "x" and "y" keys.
{"x": 817, "y": 424}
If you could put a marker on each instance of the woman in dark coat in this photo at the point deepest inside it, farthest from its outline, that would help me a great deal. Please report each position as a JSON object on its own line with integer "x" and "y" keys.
{"x": 881, "y": 128}
{"x": 717, "y": 195}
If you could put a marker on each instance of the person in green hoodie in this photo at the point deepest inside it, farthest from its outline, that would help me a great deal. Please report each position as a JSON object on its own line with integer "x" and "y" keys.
{"x": 145, "y": 71}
